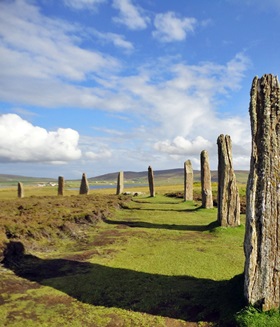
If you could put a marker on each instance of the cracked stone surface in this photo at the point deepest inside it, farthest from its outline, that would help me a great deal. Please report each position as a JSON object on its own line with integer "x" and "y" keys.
{"x": 188, "y": 181}
{"x": 120, "y": 183}
{"x": 206, "y": 186}
{"x": 262, "y": 249}
{"x": 228, "y": 196}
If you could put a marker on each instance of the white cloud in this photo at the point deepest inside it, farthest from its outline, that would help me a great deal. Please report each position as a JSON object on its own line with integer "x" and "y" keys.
{"x": 53, "y": 49}
{"x": 109, "y": 131}
{"x": 102, "y": 154}
{"x": 170, "y": 27}
{"x": 174, "y": 103}
{"x": 20, "y": 141}
{"x": 94, "y": 148}
{"x": 184, "y": 97}
{"x": 182, "y": 146}
{"x": 117, "y": 39}
{"x": 130, "y": 15}
{"x": 83, "y": 4}
{"x": 181, "y": 106}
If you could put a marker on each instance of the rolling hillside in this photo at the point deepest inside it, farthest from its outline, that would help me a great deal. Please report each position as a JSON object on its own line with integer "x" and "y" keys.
{"x": 167, "y": 176}
{"x": 164, "y": 176}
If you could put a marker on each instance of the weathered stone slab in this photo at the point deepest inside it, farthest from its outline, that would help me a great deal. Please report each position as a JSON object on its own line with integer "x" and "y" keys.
{"x": 20, "y": 190}
{"x": 120, "y": 183}
{"x": 206, "y": 186}
{"x": 188, "y": 181}
{"x": 262, "y": 236}
{"x": 151, "y": 181}
{"x": 60, "y": 190}
{"x": 228, "y": 195}
{"x": 84, "y": 187}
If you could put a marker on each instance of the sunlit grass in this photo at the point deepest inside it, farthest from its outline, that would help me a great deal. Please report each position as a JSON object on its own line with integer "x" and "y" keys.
{"x": 146, "y": 259}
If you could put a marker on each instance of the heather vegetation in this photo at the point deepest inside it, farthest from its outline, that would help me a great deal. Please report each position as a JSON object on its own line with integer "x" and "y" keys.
{"x": 108, "y": 260}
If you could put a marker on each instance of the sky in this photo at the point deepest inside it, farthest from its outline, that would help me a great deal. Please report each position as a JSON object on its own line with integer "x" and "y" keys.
{"x": 100, "y": 86}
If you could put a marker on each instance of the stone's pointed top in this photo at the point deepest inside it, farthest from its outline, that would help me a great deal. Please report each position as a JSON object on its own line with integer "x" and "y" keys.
{"x": 204, "y": 155}
{"x": 188, "y": 163}
{"x": 270, "y": 79}
{"x": 223, "y": 137}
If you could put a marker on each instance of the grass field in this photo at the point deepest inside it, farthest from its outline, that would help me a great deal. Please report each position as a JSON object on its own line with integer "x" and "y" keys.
{"x": 103, "y": 260}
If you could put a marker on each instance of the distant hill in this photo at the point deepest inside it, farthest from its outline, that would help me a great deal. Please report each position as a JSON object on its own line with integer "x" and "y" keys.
{"x": 169, "y": 175}
{"x": 11, "y": 179}
{"x": 136, "y": 176}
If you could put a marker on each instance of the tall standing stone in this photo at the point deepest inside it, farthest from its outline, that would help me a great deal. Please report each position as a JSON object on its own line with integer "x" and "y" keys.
{"x": 120, "y": 183}
{"x": 188, "y": 181}
{"x": 60, "y": 190}
{"x": 20, "y": 190}
{"x": 206, "y": 186}
{"x": 151, "y": 181}
{"x": 262, "y": 236}
{"x": 228, "y": 196}
{"x": 84, "y": 187}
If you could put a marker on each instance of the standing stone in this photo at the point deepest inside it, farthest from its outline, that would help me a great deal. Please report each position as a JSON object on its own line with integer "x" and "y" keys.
{"x": 60, "y": 190}
{"x": 84, "y": 188}
{"x": 262, "y": 236}
{"x": 151, "y": 181}
{"x": 228, "y": 196}
{"x": 188, "y": 181}
{"x": 120, "y": 183}
{"x": 206, "y": 186}
{"x": 20, "y": 190}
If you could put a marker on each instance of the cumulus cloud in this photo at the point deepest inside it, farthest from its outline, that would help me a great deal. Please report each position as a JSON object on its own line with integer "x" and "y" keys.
{"x": 170, "y": 27}
{"x": 182, "y": 106}
{"x": 20, "y": 141}
{"x": 182, "y": 146}
{"x": 175, "y": 102}
{"x": 130, "y": 15}
{"x": 83, "y": 4}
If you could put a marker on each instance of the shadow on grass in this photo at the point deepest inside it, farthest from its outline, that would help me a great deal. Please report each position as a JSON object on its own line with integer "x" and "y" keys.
{"x": 144, "y": 224}
{"x": 125, "y": 207}
{"x": 180, "y": 297}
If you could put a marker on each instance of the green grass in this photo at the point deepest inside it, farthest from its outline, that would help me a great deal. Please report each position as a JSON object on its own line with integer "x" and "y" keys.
{"x": 253, "y": 317}
{"x": 148, "y": 262}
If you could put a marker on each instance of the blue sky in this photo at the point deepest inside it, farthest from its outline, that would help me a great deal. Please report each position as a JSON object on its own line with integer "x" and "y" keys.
{"x": 99, "y": 86}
